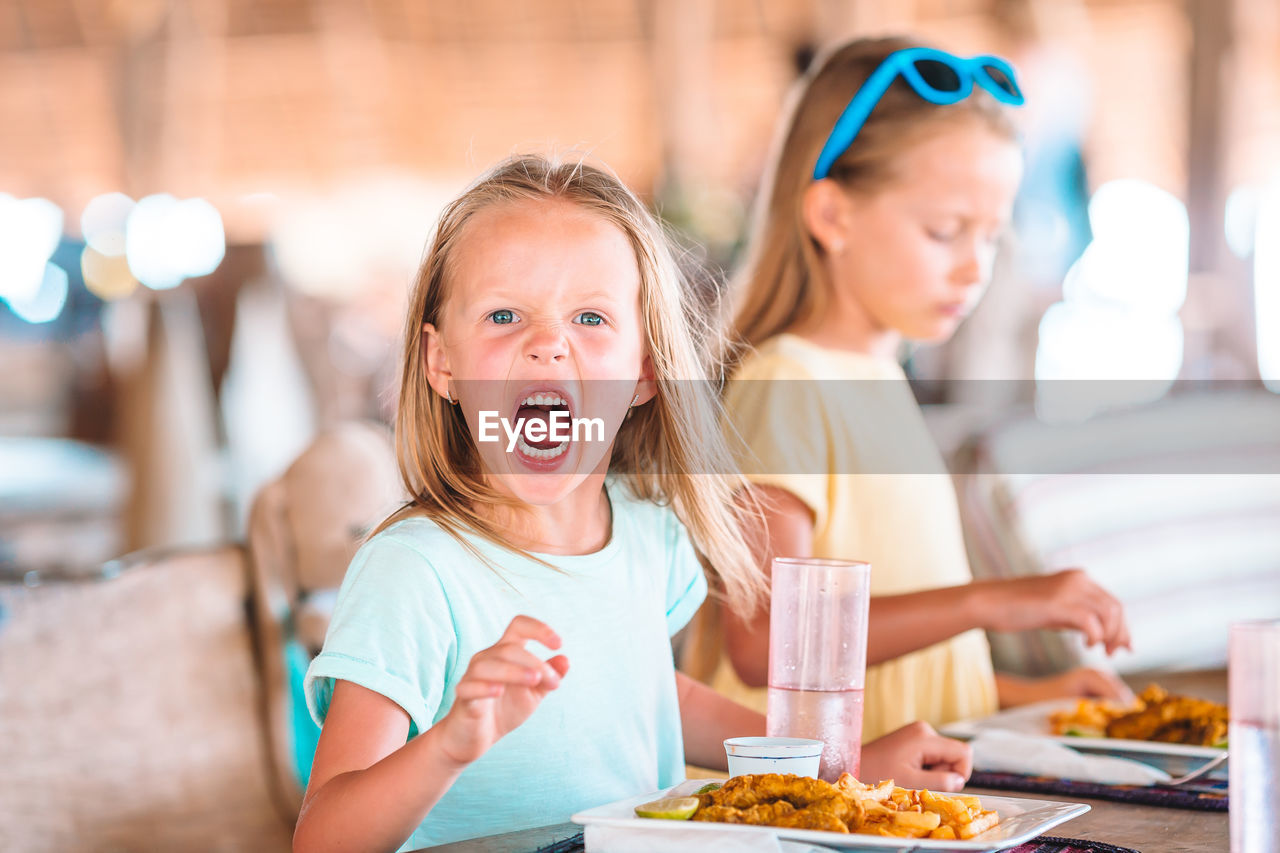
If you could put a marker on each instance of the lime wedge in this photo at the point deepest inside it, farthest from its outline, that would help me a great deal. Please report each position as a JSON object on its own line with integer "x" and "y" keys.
{"x": 710, "y": 786}
{"x": 672, "y": 808}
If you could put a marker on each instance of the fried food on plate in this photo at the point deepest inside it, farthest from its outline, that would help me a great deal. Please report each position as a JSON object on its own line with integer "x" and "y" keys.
{"x": 907, "y": 813}
{"x": 774, "y": 799}
{"x": 1155, "y": 716}
{"x": 745, "y": 791}
{"x": 800, "y": 802}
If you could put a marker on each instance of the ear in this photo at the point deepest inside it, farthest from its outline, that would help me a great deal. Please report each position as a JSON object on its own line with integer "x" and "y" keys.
{"x": 827, "y": 212}
{"x": 647, "y": 386}
{"x": 435, "y": 361}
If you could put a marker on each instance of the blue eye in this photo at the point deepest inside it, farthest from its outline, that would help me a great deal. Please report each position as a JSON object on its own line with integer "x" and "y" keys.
{"x": 503, "y": 316}
{"x": 590, "y": 318}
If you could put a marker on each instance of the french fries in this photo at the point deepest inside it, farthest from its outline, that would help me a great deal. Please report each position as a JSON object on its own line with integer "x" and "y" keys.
{"x": 903, "y": 813}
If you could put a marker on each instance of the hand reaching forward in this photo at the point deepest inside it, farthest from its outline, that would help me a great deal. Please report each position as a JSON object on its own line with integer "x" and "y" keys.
{"x": 916, "y": 756}
{"x": 1082, "y": 681}
{"x": 1066, "y": 599}
{"x": 503, "y": 685}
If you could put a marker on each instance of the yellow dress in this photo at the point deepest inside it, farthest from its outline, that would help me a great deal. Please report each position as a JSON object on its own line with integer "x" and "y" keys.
{"x": 843, "y": 433}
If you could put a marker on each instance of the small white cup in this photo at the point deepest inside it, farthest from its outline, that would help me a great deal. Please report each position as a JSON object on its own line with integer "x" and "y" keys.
{"x": 750, "y": 755}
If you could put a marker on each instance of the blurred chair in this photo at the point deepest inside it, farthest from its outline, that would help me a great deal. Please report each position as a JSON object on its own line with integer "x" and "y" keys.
{"x": 1174, "y": 508}
{"x": 304, "y": 528}
{"x": 130, "y": 711}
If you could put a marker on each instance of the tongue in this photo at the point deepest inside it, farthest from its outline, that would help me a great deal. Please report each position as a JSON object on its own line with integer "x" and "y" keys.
{"x": 530, "y": 414}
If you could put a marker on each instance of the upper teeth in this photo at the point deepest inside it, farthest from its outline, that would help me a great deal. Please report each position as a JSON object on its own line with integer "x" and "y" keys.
{"x": 545, "y": 400}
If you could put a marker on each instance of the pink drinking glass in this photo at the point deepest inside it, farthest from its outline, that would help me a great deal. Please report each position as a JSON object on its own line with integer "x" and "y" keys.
{"x": 818, "y": 656}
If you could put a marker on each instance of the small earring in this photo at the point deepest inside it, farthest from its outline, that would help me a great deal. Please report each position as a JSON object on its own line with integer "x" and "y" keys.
{"x": 633, "y": 400}
{"x": 448, "y": 392}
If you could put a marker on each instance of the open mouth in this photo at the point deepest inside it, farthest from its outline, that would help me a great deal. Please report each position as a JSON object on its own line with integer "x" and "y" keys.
{"x": 552, "y": 410}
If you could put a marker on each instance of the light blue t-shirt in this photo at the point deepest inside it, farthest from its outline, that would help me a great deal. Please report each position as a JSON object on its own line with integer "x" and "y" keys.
{"x": 415, "y": 606}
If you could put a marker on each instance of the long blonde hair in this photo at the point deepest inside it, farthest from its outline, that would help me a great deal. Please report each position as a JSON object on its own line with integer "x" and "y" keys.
{"x": 783, "y": 284}
{"x": 668, "y": 451}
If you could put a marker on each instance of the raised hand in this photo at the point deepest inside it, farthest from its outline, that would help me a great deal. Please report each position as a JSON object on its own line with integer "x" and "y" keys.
{"x": 502, "y": 686}
{"x": 1067, "y": 599}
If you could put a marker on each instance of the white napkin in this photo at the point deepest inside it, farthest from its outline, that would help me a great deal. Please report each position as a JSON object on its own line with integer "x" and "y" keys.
{"x": 615, "y": 839}
{"x": 1010, "y": 752}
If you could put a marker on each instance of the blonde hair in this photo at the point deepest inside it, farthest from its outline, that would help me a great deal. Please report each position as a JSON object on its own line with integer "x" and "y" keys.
{"x": 783, "y": 282}
{"x": 668, "y": 451}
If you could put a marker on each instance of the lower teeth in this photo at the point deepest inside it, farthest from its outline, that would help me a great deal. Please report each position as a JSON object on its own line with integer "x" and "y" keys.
{"x": 534, "y": 453}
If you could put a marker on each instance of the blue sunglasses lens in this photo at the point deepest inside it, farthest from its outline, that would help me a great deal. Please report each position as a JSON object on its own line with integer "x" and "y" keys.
{"x": 939, "y": 75}
{"x": 1001, "y": 79}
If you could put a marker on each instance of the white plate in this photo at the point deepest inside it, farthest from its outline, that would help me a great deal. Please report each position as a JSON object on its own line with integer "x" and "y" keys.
{"x": 1020, "y": 821}
{"x": 1034, "y": 720}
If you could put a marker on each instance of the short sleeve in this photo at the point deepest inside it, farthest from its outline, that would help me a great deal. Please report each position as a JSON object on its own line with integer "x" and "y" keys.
{"x": 779, "y": 428}
{"x": 686, "y": 584}
{"x": 391, "y": 632}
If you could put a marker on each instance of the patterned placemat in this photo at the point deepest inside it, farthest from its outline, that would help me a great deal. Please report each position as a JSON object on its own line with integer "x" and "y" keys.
{"x": 1050, "y": 844}
{"x": 1209, "y": 795}
{"x": 1043, "y": 844}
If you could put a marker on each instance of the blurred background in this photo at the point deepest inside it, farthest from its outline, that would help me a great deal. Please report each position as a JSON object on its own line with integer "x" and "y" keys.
{"x": 210, "y": 211}
{"x": 212, "y": 208}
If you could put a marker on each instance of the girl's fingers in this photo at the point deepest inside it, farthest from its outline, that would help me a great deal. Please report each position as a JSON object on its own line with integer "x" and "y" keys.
{"x": 523, "y": 628}
{"x": 548, "y": 675}
{"x": 513, "y": 653}
{"x": 560, "y": 664}
{"x": 503, "y": 672}
{"x": 1094, "y": 629}
{"x": 1108, "y": 686}
{"x": 470, "y": 691}
{"x": 508, "y": 664}
{"x": 1087, "y": 622}
{"x": 1111, "y": 615}
{"x": 939, "y": 780}
{"x": 944, "y": 753}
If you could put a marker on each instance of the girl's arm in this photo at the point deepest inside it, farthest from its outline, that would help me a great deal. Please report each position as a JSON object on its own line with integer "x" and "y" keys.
{"x": 915, "y": 756}
{"x": 363, "y": 768}
{"x": 707, "y": 718}
{"x": 906, "y": 623}
{"x": 1081, "y": 681}
{"x": 369, "y": 789}
{"x": 788, "y": 532}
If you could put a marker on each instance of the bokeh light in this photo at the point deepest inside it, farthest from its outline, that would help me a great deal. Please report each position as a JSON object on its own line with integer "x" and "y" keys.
{"x": 103, "y": 223}
{"x": 1139, "y": 253}
{"x": 1240, "y": 220}
{"x": 168, "y": 240}
{"x": 106, "y": 276}
{"x": 30, "y": 230}
{"x": 1119, "y": 314}
{"x": 1266, "y": 286}
{"x": 46, "y": 303}
{"x": 332, "y": 246}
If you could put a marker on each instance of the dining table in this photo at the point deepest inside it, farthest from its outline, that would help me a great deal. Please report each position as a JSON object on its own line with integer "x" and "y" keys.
{"x": 1149, "y": 829}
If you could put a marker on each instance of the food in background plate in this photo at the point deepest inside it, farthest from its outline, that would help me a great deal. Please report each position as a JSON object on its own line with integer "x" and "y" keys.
{"x": 801, "y": 802}
{"x": 1155, "y": 716}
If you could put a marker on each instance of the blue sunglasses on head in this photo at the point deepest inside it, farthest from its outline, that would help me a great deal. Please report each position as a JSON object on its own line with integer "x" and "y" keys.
{"x": 937, "y": 76}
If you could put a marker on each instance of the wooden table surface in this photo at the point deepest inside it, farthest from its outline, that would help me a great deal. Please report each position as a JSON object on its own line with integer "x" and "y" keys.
{"x": 1149, "y": 829}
